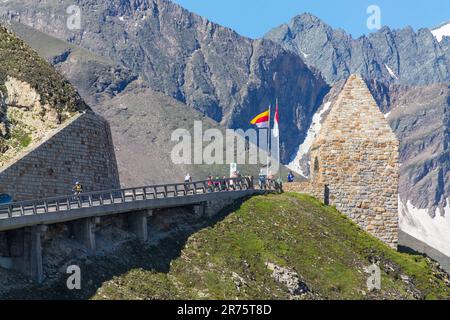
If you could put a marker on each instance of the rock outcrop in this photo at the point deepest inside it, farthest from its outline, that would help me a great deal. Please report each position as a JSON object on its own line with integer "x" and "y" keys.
{"x": 420, "y": 120}
{"x": 34, "y": 99}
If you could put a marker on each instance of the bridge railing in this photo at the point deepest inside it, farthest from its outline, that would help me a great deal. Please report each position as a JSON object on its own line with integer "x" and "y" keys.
{"x": 102, "y": 198}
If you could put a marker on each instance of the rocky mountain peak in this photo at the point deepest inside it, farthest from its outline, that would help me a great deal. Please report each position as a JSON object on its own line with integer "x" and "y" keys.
{"x": 390, "y": 56}
{"x": 306, "y": 20}
{"x": 298, "y": 25}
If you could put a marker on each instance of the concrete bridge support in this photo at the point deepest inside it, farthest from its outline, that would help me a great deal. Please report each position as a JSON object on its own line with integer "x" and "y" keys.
{"x": 209, "y": 209}
{"x": 200, "y": 209}
{"x": 137, "y": 224}
{"x": 25, "y": 252}
{"x": 84, "y": 231}
{"x": 35, "y": 252}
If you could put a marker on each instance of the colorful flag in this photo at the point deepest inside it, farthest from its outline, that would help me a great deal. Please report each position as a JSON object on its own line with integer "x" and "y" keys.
{"x": 276, "y": 128}
{"x": 262, "y": 120}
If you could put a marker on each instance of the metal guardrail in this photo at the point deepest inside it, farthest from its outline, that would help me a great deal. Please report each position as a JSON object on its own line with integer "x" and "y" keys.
{"x": 104, "y": 198}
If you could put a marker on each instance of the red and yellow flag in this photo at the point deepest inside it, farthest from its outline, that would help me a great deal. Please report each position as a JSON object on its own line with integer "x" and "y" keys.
{"x": 261, "y": 120}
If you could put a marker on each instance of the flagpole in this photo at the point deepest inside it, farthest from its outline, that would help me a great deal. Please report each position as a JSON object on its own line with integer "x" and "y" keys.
{"x": 268, "y": 141}
{"x": 278, "y": 150}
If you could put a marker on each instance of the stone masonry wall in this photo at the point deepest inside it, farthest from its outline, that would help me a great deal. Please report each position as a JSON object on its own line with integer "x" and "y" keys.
{"x": 81, "y": 150}
{"x": 356, "y": 156}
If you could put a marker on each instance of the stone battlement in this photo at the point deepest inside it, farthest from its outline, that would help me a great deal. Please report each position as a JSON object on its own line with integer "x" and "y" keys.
{"x": 80, "y": 150}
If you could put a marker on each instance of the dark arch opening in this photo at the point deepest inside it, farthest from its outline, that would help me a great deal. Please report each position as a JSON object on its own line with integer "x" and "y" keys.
{"x": 316, "y": 164}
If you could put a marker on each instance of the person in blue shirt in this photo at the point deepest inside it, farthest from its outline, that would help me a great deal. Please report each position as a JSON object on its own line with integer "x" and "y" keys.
{"x": 290, "y": 177}
{"x": 262, "y": 179}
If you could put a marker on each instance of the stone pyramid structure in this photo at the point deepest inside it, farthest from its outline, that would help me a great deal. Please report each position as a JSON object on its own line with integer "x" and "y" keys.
{"x": 355, "y": 162}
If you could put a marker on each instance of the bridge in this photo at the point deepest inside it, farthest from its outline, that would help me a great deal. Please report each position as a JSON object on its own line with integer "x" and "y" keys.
{"x": 28, "y": 220}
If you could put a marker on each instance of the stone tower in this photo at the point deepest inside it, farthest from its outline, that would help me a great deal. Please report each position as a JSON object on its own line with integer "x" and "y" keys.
{"x": 355, "y": 162}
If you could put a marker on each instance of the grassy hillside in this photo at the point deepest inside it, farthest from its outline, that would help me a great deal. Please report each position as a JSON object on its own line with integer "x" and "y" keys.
{"x": 326, "y": 251}
{"x": 34, "y": 98}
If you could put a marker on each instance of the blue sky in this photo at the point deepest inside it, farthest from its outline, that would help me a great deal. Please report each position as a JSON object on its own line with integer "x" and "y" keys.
{"x": 253, "y": 18}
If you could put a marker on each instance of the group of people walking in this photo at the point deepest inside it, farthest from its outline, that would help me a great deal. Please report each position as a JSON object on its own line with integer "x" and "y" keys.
{"x": 266, "y": 181}
{"x": 224, "y": 183}
{"x": 217, "y": 183}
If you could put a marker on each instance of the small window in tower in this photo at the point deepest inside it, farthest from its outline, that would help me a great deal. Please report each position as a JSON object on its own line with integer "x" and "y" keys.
{"x": 316, "y": 164}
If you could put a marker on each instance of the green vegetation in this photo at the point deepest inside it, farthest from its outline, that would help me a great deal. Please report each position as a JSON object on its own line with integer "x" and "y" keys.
{"x": 327, "y": 250}
{"x": 19, "y": 61}
{"x": 22, "y": 137}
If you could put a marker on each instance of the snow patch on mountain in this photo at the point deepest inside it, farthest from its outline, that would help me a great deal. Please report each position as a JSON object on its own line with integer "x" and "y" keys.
{"x": 418, "y": 223}
{"x": 305, "y": 55}
{"x": 311, "y": 135}
{"x": 393, "y": 75}
{"x": 441, "y": 31}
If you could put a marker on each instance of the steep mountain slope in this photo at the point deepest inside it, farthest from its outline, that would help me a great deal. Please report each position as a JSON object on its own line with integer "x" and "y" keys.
{"x": 227, "y": 77}
{"x": 34, "y": 99}
{"x": 96, "y": 78}
{"x": 141, "y": 122}
{"x": 270, "y": 247}
{"x": 420, "y": 119}
{"x": 389, "y": 56}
